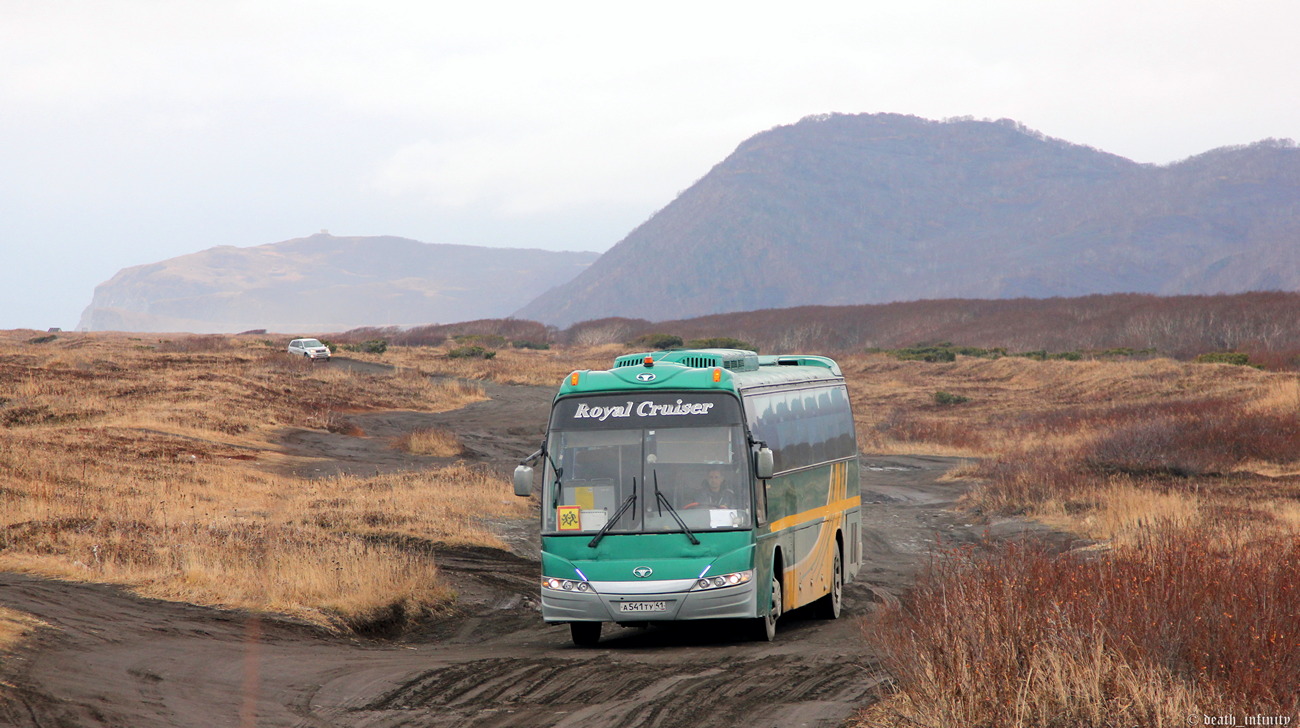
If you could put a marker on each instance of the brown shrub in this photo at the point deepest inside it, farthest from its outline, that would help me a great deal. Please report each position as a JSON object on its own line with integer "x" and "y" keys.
{"x": 1018, "y": 635}
{"x": 1193, "y": 438}
{"x": 196, "y": 344}
{"x": 904, "y": 426}
{"x": 508, "y": 329}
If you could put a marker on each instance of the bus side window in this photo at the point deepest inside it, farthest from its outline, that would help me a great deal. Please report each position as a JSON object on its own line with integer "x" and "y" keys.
{"x": 821, "y": 426}
{"x": 800, "y": 430}
{"x": 780, "y": 431}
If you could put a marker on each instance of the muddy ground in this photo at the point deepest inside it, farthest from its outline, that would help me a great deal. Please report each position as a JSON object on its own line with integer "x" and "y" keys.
{"x": 114, "y": 659}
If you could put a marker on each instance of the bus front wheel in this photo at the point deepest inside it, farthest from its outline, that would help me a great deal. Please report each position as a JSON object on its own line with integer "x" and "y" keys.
{"x": 585, "y": 634}
{"x": 766, "y": 628}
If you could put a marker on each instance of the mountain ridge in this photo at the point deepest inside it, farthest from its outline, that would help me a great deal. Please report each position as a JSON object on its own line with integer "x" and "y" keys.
{"x": 849, "y": 209}
{"x": 325, "y": 283}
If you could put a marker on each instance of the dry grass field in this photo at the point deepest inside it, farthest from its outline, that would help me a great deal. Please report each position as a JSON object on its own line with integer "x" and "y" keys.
{"x": 507, "y": 365}
{"x": 152, "y": 462}
{"x": 1187, "y": 478}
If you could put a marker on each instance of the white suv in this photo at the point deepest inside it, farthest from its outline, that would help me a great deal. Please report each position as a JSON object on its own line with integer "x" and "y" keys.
{"x": 310, "y": 348}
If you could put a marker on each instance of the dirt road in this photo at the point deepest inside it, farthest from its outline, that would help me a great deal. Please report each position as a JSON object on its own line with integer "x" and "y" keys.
{"x": 113, "y": 659}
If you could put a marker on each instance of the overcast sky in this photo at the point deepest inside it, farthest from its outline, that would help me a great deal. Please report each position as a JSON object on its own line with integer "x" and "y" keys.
{"x": 132, "y": 131}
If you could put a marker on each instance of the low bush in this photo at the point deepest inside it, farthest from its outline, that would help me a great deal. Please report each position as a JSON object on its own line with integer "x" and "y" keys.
{"x": 1125, "y": 352}
{"x": 720, "y": 342}
{"x": 947, "y": 352}
{"x": 944, "y": 399}
{"x": 1223, "y": 357}
{"x": 370, "y": 346}
{"x": 525, "y": 344}
{"x": 925, "y": 353}
{"x": 657, "y": 341}
{"x": 484, "y": 340}
{"x": 470, "y": 352}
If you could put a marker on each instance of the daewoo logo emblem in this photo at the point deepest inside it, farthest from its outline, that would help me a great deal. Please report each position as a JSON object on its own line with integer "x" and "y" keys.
{"x": 642, "y": 572}
{"x": 645, "y": 377}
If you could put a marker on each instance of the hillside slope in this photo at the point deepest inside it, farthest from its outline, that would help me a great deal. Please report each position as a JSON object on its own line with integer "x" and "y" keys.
{"x": 841, "y": 209}
{"x": 325, "y": 283}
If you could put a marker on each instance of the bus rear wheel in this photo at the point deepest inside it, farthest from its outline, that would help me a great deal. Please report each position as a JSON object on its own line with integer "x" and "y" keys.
{"x": 765, "y": 630}
{"x": 585, "y": 634}
{"x": 828, "y": 607}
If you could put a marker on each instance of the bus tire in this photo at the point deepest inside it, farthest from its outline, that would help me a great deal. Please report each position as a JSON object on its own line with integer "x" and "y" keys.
{"x": 828, "y": 607}
{"x": 765, "y": 629}
{"x": 584, "y": 634}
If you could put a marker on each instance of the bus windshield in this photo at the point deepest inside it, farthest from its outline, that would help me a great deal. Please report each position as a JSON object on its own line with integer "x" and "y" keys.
{"x": 646, "y": 464}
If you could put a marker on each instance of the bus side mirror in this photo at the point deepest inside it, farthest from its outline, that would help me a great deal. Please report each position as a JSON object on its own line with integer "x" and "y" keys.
{"x": 523, "y": 480}
{"x": 763, "y": 466}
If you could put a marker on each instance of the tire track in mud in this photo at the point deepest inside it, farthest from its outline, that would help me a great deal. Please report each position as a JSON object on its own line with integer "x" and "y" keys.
{"x": 544, "y": 692}
{"x": 113, "y": 659}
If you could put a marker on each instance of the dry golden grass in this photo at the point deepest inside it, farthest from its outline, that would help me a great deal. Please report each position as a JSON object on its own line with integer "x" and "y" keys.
{"x": 544, "y": 367}
{"x": 1080, "y": 683}
{"x": 1122, "y": 513}
{"x": 148, "y": 463}
{"x": 436, "y": 442}
{"x": 14, "y": 627}
{"x": 894, "y": 404}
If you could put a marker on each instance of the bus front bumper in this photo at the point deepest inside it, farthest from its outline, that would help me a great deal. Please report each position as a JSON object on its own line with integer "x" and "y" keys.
{"x": 649, "y": 602}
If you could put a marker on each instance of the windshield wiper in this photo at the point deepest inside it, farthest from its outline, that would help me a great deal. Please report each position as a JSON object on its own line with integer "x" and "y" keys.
{"x": 617, "y": 515}
{"x": 663, "y": 501}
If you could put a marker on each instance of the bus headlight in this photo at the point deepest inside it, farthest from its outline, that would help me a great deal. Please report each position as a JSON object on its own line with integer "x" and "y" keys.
{"x": 550, "y": 582}
{"x": 733, "y": 579}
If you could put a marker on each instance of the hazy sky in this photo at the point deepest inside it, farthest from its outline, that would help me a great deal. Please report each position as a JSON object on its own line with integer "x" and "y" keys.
{"x": 137, "y": 130}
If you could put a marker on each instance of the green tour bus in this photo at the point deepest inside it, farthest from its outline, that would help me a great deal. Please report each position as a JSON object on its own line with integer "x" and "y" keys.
{"x": 697, "y": 484}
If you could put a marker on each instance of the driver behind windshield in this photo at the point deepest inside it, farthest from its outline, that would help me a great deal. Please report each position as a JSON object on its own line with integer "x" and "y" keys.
{"x": 715, "y": 492}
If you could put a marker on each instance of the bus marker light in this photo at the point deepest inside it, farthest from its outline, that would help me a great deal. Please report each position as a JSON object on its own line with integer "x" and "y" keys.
{"x": 573, "y": 379}
{"x": 649, "y": 361}
{"x": 717, "y": 375}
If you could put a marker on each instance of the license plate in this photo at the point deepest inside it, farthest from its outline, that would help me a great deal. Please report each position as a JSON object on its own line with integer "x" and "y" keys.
{"x": 643, "y": 606}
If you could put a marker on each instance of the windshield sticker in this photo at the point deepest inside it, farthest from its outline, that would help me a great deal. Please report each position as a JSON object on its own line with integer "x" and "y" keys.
{"x": 570, "y": 518}
{"x": 642, "y": 409}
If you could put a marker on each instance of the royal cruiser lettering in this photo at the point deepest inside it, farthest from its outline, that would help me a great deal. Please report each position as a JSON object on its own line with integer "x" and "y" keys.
{"x": 650, "y": 409}
{"x": 602, "y": 413}
{"x": 645, "y": 409}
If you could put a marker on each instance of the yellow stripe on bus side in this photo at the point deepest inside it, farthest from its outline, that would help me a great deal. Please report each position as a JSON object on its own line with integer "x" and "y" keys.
{"x": 813, "y": 514}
